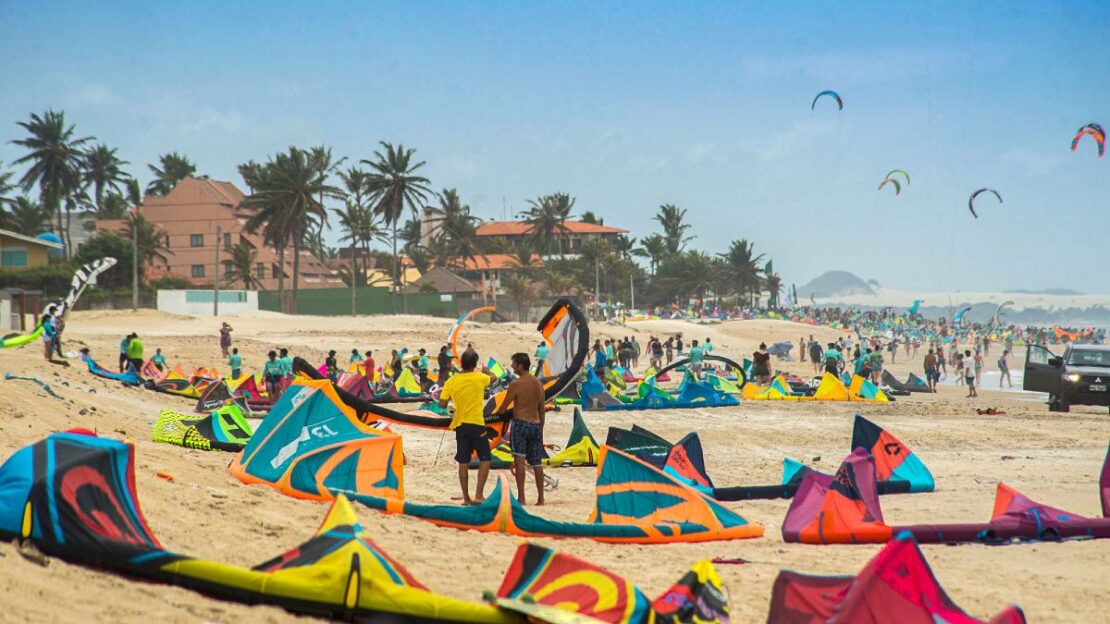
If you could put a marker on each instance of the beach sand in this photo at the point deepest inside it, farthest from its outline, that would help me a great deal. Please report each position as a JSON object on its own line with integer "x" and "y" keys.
{"x": 1053, "y": 458}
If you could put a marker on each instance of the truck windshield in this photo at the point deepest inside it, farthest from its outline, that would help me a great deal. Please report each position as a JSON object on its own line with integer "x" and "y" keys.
{"x": 1089, "y": 357}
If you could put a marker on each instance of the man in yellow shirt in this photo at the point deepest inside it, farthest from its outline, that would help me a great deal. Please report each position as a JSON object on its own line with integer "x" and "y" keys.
{"x": 467, "y": 391}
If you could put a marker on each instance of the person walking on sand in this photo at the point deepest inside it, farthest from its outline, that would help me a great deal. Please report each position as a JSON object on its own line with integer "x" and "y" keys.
{"x": 225, "y": 338}
{"x": 525, "y": 395}
{"x": 467, "y": 391}
{"x": 931, "y": 375}
{"x": 49, "y": 333}
{"x": 959, "y": 366}
{"x": 123, "y": 352}
{"x": 969, "y": 375}
{"x": 541, "y": 356}
{"x": 273, "y": 371}
{"x": 1004, "y": 369}
{"x": 978, "y": 368}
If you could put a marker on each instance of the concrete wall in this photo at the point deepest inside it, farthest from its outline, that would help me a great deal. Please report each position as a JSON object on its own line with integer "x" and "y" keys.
{"x": 200, "y": 302}
{"x": 6, "y": 320}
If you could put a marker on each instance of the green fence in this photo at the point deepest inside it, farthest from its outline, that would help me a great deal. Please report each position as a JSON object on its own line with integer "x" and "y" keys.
{"x": 371, "y": 300}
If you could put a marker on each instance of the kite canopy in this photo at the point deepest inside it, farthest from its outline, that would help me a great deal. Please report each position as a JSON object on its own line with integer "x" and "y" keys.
{"x": 1097, "y": 134}
{"x": 580, "y": 450}
{"x": 971, "y": 200}
{"x": 175, "y": 382}
{"x": 73, "y": 495}
{"x": 635, "y": 504}
{"x": 82, "y": 278}
{"x": 832, "y": 94}
{"x": 453, "y": 334}
{"x": 844, "y": 509}
{"x": 223, "y": 430}
{"x": 312, "y": 443}
{"x": 129, "y": 376}
{"x": 896, "y": 586}
{"x": 891, "y": 181}
{"x": 549, "y": 586}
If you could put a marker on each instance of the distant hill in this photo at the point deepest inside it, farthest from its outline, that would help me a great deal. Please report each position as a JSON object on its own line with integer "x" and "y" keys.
{"x": 835, "y": 284}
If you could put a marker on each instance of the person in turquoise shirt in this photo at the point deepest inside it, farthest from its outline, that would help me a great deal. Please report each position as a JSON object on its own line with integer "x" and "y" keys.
{"x": 272, "y": 373}
{"x": 355, "y": 356}
{"x": 235, "y": 362}
{"x": 286, "y": 363}
{"x": 697, "y": 356}
{"x": 708, "y": 346}
{"x": 541, "y": 355}
{"x": 422, "y": 364}
{"x": 158, "y": 359}
{"x": 123, "y": 352}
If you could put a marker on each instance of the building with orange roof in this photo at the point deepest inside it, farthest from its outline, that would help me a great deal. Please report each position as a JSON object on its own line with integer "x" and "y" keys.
{"x": 577, "y": 232}
{"x": 190, "y": 215}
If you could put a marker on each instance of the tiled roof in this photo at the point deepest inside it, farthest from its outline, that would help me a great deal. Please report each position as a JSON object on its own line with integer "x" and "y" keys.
{"x": 518, "y": 228}
{"x": 444, "y": 281}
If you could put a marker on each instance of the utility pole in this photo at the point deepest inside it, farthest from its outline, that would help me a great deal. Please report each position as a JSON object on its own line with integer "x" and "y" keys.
{"x": 597, "y": 283}
{"x": 216, "y": 283}
{"x": 632, "y": 291}
{"x": 135, "y": 260}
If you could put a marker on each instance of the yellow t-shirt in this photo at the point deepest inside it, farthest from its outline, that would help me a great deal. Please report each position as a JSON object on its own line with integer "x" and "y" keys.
{"x": 467, "y": 392}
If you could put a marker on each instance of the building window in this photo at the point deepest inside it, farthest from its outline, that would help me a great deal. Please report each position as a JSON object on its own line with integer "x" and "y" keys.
{"x": 198, "y": 270}
{"x": 260, "y": 270}
{"x": 227, "y": 239}
{"x": 196, "y": 240}
{"x": 14, "y": 258}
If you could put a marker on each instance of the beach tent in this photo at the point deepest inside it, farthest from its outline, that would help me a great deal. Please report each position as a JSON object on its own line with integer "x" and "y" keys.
{"x": 225, "y": 429}
{"x": 73, "y": 496}
{"x": 635, "y": 503}
{"x": 549, "y": 586}
{"x": 129, "y": 377}
{"x": 311, "y": 443}
{"x": 897, "y": 585}
{"x": 844, "y": 509}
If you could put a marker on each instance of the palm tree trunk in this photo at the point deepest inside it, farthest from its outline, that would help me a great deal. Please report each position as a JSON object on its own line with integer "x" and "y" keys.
{"x": 296, "y": 269}
{"x": 354, "y": 267}
{"x": 281, "y": 278}
{"x": 393, "y": 270}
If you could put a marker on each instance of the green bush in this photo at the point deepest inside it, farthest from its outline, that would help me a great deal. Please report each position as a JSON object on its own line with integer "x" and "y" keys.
{"x": 52, "y": 279}
{"x": 107, "y": 245}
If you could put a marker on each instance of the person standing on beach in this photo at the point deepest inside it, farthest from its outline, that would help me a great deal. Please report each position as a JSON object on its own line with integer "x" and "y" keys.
{"x": 123, "y": 352}
{"x": 225, "y": 338}
{"x": 234, "y": 361}
{"x": 978, "y": 368}
{"x": 467, "y": 391}
{"x": 931, "y": 375}
{"x": 834, "y": 360}
{"x": 697, "y": 356}
{"x": 969, "y": 375}
{"x": 368, "y": 367}
{"x": 525, "y": 395}
{"x": 272, "y": 373}
{"x": 541, "y": 356}
{"x": 670, "y": 350}
{"x": 49, "y": 333}
{"x": 1004, "y": 369}
{"x": 135, "y": 352}
{"x": 443, "y": 366}
{"x": 286, "y": 362}
{"x": 159, "y": 361}
{"x": 355, "y": 358}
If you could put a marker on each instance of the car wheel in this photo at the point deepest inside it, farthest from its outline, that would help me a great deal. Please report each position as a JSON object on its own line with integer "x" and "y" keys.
{"x": 1053, "y": 403}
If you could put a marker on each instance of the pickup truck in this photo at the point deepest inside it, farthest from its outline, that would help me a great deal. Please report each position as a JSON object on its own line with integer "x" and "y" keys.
{"x": 1081, "y": 376}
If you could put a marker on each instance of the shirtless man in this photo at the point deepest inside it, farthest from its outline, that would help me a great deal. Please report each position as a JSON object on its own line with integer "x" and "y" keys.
{"x": 525, "y": 395}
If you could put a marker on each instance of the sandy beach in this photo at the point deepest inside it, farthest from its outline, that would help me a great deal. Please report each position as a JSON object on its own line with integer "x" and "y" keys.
{"x": 1053, "y": 458}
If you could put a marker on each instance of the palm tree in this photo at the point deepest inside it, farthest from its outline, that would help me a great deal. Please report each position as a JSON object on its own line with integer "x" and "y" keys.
{"x": 25, "y": 216}
{"x": 743, "y": 267}
{"x": 772, "y": 282}
{"x": 153, "y": 242}
{"x": 519, "y": 290}
{"x": 459, "y": 227}
{"x": 590, "y": 217}
{"x": 654, "y": 248}
{"x": 244, "y": 257}
{"x": 6, "y": 187}
{"x": 623, "y": 247}
{"x": 173, "y": 168}
{"x": 547, "y": 219}
{"x": 114, "y": 206}
{"x": 670, "y": 218}
{"x": 56, "y": 163}
{"x": 103, "y": 172}
{"x": 285, "y": 205}
{"x": 394, "y": 186}
{"x": 250, "y": 171}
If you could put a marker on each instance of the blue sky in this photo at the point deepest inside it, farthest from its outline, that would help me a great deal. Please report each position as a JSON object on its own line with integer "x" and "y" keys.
{"x": 630, "y": 105}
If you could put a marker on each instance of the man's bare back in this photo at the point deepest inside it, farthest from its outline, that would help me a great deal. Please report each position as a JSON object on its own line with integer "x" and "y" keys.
{"x": 526, "y": 396}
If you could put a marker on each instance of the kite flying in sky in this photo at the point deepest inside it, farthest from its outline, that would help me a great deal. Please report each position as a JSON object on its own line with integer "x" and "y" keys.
{"x": 892, "y": 181}
{"x": 833, "y": 94}
{"x": 1094, "y": 131}
{"x": 971, "y": 200}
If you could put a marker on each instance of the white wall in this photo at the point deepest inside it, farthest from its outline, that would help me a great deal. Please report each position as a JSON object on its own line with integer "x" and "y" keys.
{"x": 199, "y": 302}
{"x": 6, "y": 313}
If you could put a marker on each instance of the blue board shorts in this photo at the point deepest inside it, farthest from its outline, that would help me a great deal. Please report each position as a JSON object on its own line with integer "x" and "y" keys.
{"x": 526, "y": 440}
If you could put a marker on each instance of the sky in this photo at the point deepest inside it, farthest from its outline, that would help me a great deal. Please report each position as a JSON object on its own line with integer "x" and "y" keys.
{"x": 627, "y": 106}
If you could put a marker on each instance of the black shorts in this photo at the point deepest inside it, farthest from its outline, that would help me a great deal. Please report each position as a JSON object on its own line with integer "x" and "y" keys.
{"x": 471, "y": 439}
{"x": 526, "y": 440}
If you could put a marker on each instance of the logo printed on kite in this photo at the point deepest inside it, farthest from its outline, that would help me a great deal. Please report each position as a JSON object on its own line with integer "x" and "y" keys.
{"x": 892, "y": 448}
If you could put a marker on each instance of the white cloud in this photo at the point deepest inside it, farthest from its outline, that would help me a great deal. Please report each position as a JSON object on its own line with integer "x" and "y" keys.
{"x": 95, "y": 95}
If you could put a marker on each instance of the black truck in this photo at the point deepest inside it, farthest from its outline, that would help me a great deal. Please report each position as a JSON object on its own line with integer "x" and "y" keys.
{"x": 1079, "y": 377}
